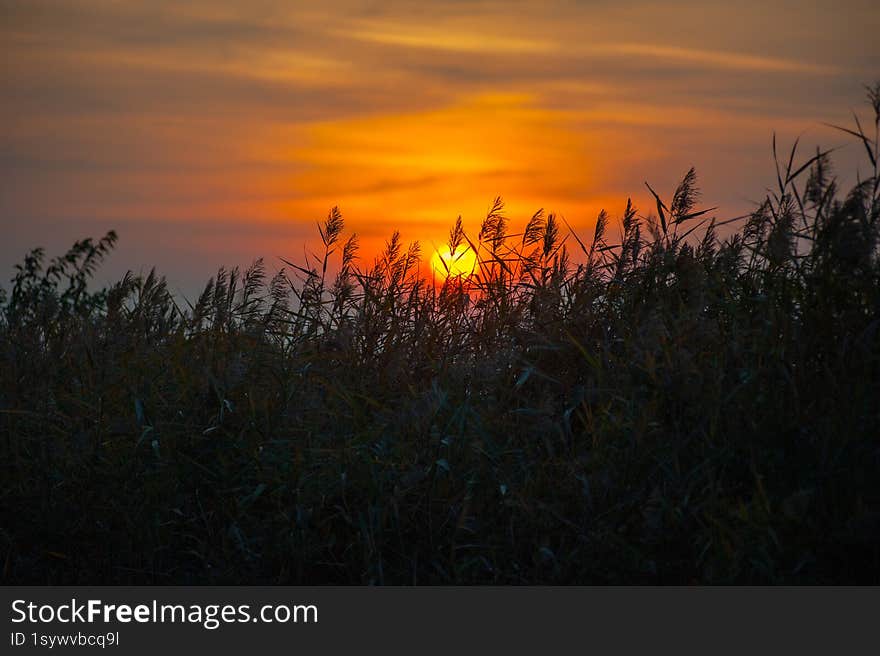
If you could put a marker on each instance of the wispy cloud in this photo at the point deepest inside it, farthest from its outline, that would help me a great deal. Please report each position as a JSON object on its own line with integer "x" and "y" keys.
{"x": 440, "y": 38}
{"x": 714, "y": 58}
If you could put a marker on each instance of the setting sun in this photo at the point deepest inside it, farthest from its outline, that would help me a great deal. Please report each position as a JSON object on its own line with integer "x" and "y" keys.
{"x": 460, "y": 263}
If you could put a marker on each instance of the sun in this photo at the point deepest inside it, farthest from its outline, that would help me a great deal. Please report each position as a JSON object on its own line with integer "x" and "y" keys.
{"x": 458, "y": 264}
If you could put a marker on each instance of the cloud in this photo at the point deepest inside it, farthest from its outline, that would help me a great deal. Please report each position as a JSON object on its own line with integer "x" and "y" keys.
{"x": 438, "y": 38}
{"x": 713, "y": 58}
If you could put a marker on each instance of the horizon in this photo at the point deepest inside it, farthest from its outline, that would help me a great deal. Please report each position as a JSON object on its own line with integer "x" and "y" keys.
{"x": 217, "y": 132}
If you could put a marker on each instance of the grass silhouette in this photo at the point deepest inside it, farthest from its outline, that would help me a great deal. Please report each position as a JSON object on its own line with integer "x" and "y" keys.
{"x": 658, "y": 406}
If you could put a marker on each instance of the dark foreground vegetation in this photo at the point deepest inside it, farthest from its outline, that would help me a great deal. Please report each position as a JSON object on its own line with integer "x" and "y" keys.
{"x": 665, "y": 406}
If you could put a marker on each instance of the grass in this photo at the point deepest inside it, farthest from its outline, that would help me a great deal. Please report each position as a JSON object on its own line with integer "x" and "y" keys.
{"x": 656, "y": 406}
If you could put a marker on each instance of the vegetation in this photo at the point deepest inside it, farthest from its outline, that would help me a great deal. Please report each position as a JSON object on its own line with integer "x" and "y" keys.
{"x": 666, "y": 407}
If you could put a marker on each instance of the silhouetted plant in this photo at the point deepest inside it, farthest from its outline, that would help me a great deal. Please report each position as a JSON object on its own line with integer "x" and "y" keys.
{"x": 662, "y": 404}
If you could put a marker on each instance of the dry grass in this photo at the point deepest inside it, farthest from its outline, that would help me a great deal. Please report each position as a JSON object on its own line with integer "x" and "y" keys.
{"x": 649, "y": 404}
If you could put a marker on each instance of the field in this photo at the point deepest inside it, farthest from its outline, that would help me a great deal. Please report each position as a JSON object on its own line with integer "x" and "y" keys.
{"x": 649, "y": 403}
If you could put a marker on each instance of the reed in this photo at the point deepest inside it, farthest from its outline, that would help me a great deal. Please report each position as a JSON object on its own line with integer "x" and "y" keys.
{"x": 652, "y": 404}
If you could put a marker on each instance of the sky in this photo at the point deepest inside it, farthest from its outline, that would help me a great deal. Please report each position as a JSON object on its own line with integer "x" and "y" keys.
{"x": 210, "y": 132}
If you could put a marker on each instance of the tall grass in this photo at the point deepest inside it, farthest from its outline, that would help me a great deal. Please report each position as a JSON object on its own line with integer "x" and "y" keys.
{"x": 648, "y": 403}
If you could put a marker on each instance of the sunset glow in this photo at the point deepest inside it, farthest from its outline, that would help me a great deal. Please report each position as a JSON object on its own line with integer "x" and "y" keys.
{"x": 216, "y": 132}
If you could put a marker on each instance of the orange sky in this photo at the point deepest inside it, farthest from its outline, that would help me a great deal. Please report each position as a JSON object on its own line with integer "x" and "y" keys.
{"x": 211, "y": 132}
